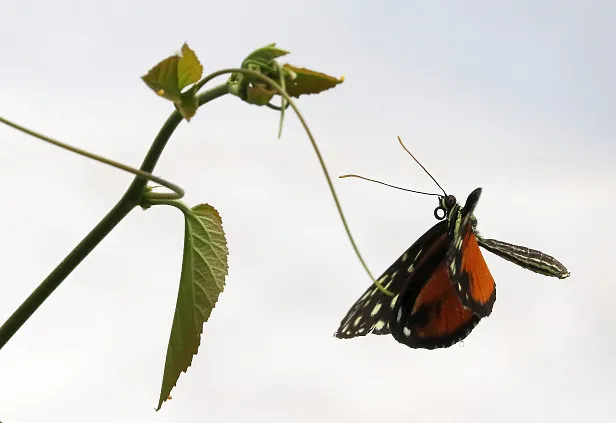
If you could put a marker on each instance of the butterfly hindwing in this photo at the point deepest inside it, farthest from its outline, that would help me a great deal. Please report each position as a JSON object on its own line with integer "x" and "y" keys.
{"x": 466, "y": 267}
{"x": 475, "y": 284}
{"x": 372, "y": 312}
{"x": 429, "y": 313}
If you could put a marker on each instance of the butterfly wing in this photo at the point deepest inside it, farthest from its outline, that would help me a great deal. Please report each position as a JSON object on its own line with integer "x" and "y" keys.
{"x": 467, "y": 269}
{"x": 429, "y": 313}
{"x": 372, "y": 312}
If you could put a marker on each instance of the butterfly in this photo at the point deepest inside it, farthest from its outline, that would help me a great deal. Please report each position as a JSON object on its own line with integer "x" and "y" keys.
{"x": 441, "y": 286}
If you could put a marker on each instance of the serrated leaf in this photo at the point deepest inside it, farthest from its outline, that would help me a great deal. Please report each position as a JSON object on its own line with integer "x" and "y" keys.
{"x": 169, "y": 77}
{"x": 204, "y": 268}
{"x": 266, "y": 54}
{"x": 309, "y": 81}
{"x": 163, "y": 79}
{"x": 190, "y": 69}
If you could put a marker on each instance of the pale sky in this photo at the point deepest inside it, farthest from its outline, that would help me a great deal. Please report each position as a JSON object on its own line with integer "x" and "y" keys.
{"x": 519, "y": 100}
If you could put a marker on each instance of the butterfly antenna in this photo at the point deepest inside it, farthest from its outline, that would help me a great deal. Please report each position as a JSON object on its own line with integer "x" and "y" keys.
{"x": 422, "y": 166}
{"x": 389, "y": 185}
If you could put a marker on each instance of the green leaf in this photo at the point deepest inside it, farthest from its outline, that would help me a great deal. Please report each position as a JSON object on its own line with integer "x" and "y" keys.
{"x": 163, "y": 79}
{"x": 204, "y": 268}
{"x": 308, "y": 81}
{"x": 172, "y": 75}
{"x": 190, "y": 69}
{"x": 265, "y": 54}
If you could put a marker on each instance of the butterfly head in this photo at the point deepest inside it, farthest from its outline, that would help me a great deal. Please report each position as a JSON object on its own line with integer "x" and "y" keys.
{"x": 445, "y": 204}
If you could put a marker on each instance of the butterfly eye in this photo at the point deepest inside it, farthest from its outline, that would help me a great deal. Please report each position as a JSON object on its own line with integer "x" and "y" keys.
{"x": 450, "y": 201}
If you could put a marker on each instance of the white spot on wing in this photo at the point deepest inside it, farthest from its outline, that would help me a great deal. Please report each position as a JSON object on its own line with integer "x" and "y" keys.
{"x": 393, "y": 301}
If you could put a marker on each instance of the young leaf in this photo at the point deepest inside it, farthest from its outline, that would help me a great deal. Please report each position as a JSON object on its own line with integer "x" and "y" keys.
{"x": 163, "y": 79}
{"x": 204, "y": 268}
{"x": 309, "y": 81}
{"x": 265, "y": 54}
{"x": 172, "y": 75}
{"x": 190, "y": 69}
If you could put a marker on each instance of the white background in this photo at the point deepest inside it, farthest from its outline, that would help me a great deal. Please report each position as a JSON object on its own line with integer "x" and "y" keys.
{"x": 517, "y": 99}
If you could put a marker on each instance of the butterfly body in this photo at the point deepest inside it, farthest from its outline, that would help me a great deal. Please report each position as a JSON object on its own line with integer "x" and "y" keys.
{"x": 442, "y": 286}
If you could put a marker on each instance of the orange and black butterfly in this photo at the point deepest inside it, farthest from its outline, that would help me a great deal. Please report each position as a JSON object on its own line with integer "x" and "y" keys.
{"x": 441, "y": 285}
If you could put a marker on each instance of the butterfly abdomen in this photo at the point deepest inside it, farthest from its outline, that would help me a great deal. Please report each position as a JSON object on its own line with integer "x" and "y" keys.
{"x": 525, "y": 257}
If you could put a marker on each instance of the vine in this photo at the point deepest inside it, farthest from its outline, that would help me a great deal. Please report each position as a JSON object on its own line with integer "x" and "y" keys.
{"x": 178, "y": 79}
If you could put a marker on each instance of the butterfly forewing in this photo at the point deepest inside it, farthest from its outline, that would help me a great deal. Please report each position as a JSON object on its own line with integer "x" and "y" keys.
{"x": 372, "y": 312}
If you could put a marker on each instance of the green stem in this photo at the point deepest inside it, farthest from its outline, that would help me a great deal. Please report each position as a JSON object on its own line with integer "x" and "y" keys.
{"x": 128, "y": 201}
{"x": 149, "y": 200}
